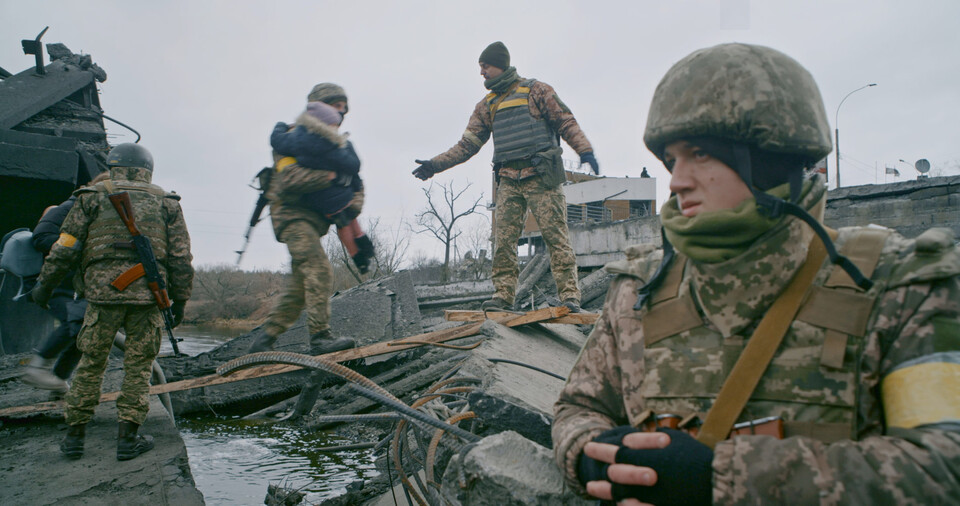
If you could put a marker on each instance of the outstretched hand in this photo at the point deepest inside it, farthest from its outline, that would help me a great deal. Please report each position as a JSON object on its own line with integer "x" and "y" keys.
{"x": 590, "y": 159}
{"x": 425, "y": 171}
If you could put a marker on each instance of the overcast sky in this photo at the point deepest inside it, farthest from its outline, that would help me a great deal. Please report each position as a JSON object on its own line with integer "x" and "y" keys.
{"x": 204, "y": 82}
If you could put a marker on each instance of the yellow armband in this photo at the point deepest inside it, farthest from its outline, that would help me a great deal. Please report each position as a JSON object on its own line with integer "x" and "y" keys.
{"x": 68, "y": 241}
{"x": 923, "y": 393}
{"x": 285, "y": 162}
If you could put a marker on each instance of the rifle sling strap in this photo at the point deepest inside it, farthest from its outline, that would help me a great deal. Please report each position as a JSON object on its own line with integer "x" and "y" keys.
{"x": 761, "y": 347}
{"x": 129, "y": 276}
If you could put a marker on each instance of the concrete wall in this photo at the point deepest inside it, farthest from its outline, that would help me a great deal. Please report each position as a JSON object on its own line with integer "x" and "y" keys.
{"x": 909, "y": 208}
{"x": 596, "y": 245}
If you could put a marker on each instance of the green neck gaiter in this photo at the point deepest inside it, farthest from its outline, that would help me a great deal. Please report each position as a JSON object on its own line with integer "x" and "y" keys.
{"x": 717, "y": 236}
{"x": 502, "y": 82}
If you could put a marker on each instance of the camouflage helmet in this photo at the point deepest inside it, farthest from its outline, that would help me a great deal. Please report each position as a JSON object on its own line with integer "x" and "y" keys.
{"x": 744, "y": 93}
{"x": 130, "y": 155}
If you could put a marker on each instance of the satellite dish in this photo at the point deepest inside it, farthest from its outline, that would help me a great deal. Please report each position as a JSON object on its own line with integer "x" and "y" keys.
{"x": 922, "y": 165}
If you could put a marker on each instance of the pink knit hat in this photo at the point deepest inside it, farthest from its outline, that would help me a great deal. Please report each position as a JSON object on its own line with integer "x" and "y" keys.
{"x": 325, "y": 113}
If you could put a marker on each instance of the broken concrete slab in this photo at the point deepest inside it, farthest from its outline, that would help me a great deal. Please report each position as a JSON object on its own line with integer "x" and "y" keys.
{"x": 378, "y": 310}
{"x": 381, "y": 310}
{"x": 507, "y": 469}
{"x": 514, "y": 397}
{"x": 35, "y": 472}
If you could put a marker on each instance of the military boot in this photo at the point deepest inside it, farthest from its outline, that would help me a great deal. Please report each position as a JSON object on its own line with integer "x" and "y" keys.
{"x": 130, "y": 444}
{"x": 72, "y": 445}
{"x": 573, "y": 305}
{"x": 323, "y": 342}
{"x": 263, "y": 342}
{"x": 39, "y": 375}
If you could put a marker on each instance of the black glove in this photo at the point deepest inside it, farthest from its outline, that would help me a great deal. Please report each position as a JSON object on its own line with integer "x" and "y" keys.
{"x": 589, "y": 469}
{"x": 177, "y": 309}
{"x": 425, "y": 171}
{"x": 40, "y": 295}
{"x": 281, "y": 126}
{"x": 684, "y": 472}
{"x": 592, "y": 160}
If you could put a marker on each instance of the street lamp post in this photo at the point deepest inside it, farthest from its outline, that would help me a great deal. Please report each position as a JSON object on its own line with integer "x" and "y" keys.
{"x": 836, "y": 123}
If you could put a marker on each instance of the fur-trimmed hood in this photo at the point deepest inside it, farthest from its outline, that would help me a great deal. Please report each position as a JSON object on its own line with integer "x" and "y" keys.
{"x": 313, "y": 125}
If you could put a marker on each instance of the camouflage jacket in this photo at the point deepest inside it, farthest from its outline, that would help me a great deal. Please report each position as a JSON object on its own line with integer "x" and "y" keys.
{"x": 92, "y": 227}
{"x": 544, "y": 103}
{"x": 895, "y": 390}
{"x": 291, "y": 181}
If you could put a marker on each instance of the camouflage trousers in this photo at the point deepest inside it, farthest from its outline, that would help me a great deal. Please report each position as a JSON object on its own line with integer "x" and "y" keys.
{"x": 100, "y": 325}
{"x": 549, "y": 208}
{"x": 310, "y": 285}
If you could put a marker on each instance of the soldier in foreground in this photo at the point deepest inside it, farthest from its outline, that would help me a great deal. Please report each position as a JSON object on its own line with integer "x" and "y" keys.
{"x": 301, "y": 229}
{"x": 527, "y": 120}
{"x": 861, "y": 393}
{"x": 94, "y": 239}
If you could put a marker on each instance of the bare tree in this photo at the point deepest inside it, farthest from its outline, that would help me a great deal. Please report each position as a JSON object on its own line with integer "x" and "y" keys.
{"x": 440, "y": 218}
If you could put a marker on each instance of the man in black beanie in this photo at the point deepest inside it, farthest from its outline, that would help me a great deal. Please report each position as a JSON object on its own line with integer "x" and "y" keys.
{"x": 527, "y": 119}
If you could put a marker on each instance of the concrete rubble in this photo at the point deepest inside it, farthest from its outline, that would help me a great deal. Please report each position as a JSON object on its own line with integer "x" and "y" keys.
{"x": 36, "y": 473}
{"x": 507, "y": 469}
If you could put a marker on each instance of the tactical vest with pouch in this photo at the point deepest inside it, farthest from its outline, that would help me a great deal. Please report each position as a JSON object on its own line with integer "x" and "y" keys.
{"x": 108, "y": 238}
{"x": 812, "y": 380}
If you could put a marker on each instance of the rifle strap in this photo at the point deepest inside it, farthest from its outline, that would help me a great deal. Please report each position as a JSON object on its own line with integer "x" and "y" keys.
{"x": 108, "y": 184}
{"x": 760, "y": 349}
{"x": 129, "y": 276}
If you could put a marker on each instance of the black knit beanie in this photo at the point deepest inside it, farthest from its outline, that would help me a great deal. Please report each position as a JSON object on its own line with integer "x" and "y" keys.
{"x": 496, "y": 54}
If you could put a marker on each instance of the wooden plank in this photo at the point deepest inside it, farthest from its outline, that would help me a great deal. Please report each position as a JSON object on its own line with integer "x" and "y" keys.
{"x": 479, "y": 316}
{"x": 381, "y": 348}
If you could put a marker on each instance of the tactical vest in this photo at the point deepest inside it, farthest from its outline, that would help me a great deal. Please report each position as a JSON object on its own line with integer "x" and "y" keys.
{"x": 812, "y": 380}
{"x": 108, "y": 237}
{"x": 516, "y": 134}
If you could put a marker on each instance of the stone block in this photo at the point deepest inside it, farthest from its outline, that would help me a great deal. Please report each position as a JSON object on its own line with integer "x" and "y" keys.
{"x": 507, "y": 469}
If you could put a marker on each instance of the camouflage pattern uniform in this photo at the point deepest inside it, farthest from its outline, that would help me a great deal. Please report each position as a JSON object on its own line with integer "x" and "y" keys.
{"x": 88, "y": 236}
{"x": 311, "y": 283}
{"x": 523, "y": 185}
{"x": 866, "y": 378}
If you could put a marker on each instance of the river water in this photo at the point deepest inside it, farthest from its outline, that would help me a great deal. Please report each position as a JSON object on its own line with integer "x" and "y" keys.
{"x": 233, "y": 460}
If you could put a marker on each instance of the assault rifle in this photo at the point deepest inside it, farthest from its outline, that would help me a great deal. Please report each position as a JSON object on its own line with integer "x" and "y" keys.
{"x": 264, "y": 178}
{"x": 146, "y": 268}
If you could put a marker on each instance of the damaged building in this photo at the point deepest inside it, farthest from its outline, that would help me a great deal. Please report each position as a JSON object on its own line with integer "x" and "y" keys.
{"x": 52, "y": 140}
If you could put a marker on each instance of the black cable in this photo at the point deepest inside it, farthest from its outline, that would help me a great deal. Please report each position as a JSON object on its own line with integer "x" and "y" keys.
{"x": 528, "y": 366}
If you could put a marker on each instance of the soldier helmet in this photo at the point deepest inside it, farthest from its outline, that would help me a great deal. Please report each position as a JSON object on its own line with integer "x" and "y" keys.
{"x": 328, "y": 93}
{"x": 743, "y": 93}
{"x": 130, "y": 155}
{"x": 761, "y": 111}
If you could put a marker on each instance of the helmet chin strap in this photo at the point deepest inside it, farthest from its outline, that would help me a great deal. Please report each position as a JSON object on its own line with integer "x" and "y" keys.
{"x": 775, "y": 207}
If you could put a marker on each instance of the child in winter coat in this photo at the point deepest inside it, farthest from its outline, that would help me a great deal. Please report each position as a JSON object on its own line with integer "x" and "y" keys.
{"x": 315, "y": 141}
